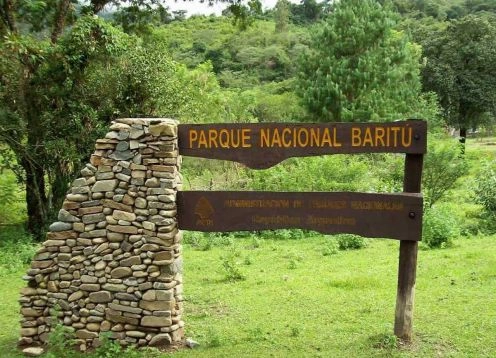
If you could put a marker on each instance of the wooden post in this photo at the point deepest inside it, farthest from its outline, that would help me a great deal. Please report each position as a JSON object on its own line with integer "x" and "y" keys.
{"x": 407, "y": 268}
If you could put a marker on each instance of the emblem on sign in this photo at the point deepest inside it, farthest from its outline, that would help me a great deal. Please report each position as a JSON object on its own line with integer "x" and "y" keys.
{"x": 204, "y": 211}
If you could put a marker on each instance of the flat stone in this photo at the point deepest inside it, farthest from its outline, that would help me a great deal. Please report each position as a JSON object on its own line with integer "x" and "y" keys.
{"x": 161, "y": 339}
{"x": 115, "y": 236}
{"x": 65, "y": 216}
{"x": 85, "y": 334}
{"x": 89, "y": 279}
{"x": 123, "y": 215}
{"x": 127, "y": 154}
{"x": 90, "y": 210}
{"x": 93, "y": 327}
{"x": 31, "y": 312}
{"x": 163, "y": 168}
{"x": 115, "y": 205}
{"x": 75, "y": 296}
{"x": 77, "y": 197}
{"x": 138, "y": 174}
{"x": 123, "y": 229}
{"x": 60, "y": 226}
{"x": 152, "y": 183}
{"x": 163, "y": 255}
{"x": 123, "y": 308}
{"x": 156, "y": 305}
{"x": 104, "y": 185}
{"x": 140, "y": 203}
{"x": 121, "y": 319}
{"x": 136, "y": 133}
{"x": 28, "y": 332}
{"x": 152, "y": 321}
{"x": 104, "y": 175}
{"x": 93, "y": 287}
{"x": 163, "y": 129}
{"x": 33, "y": 351}
{"x": 122, "y": 146}
{"x": 93, "y": 218}
{"x": 135, "y": 334}
{"x": 61, "y": 235}
{"x": 121, "y": 272}
{"x": 53, "y": 243}
{"x": 41, "y": 264}
{"x": 100, "y": 297}
{"x": 130, "y": 261}
{"x": 114, "y": 287}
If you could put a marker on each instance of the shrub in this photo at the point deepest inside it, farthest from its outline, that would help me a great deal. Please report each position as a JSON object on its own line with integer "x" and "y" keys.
{"x": 439, "y": 228}
{"x": 350, "y": 242}
{"x": 443, "y": 165}
{"x": 16, "y": 249}
{"x": 331, "y": 248}
{"x": 231, "y": 269}
{"x": 485, "y": 188}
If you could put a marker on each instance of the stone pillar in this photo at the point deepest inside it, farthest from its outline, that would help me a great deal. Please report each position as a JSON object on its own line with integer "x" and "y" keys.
{"x": 112, "y": 261}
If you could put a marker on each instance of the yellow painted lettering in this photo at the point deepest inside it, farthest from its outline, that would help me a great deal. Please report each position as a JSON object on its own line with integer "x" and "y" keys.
{"x": 264, "y": 137}
{"x": 246, "y": 138}
{"x": 367, "y": 138}
{"x": 224, "y": 138}
{"x": 379, "y": 136}
{"x": 356, "y": 139}
{"x": 193, "y": 137}
{"x": 286, "y": 132}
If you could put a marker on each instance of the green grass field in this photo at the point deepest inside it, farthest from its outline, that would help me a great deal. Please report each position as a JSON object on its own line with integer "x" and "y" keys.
{"x": 297, "y": 302}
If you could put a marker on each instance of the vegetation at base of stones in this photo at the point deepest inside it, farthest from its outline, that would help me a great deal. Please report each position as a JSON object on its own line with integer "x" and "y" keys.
{"x": 62, "y": 342}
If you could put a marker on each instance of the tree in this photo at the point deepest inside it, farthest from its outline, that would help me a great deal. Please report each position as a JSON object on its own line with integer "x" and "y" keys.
{"x": 361, "y": 68}
{"x": 460, "y": 68}
{"x": 281, "y": 15}
{"x": 57, "y": 93}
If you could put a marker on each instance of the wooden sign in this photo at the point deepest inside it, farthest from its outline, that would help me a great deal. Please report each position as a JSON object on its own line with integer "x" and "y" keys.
{"x": 263, "y": 145}
{"x": 396, "y": 216}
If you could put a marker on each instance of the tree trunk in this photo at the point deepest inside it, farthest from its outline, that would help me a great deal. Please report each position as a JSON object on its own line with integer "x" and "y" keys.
{"x": 36, "y": 200}
{"x": 463, "y": 139}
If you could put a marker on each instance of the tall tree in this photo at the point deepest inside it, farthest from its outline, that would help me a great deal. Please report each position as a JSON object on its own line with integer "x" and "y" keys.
{"x": 360, "y": 67}
{"x": 460, "y": 68}
{"x": 63, "y": 76}
{"x": 281, "y": 15}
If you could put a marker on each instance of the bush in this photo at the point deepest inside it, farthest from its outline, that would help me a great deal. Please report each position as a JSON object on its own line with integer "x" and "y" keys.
{"x": 16, "y": 249}
{"x": 439, "y": 228}
{"x": 485, "y": 188}
{"x": 485, "y": 195}
{"x": 350, "y": 242}
{"x": 443, "y": 165}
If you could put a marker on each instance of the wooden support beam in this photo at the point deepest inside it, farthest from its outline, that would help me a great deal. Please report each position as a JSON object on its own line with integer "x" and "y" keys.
{"x": 407, "y": 267}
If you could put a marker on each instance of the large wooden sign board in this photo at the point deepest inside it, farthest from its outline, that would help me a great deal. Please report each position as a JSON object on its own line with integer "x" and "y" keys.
{"x": 259, "y": 146}
{"x": 370, "y": 215}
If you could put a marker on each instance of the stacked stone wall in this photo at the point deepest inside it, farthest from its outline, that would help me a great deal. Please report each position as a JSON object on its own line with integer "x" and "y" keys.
{"x": 112, "y": 262}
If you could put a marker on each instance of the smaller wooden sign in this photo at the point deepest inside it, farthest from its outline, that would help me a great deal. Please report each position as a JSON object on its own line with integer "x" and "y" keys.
{"x": 262, "y": 145}
{"x": 395, "y": 216}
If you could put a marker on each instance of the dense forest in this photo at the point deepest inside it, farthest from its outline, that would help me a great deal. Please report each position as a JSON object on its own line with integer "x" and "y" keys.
{"x": 65, "y": 73}
{"x": 70, "y": 67}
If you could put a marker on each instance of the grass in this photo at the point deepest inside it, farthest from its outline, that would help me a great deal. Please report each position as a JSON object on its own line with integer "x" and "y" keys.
{"x": 250, "y": 297}
{"x": 339, "y": 305}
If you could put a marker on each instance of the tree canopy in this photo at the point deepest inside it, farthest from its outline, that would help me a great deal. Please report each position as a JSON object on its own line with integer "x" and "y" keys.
{"x": 360, "y": 67}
